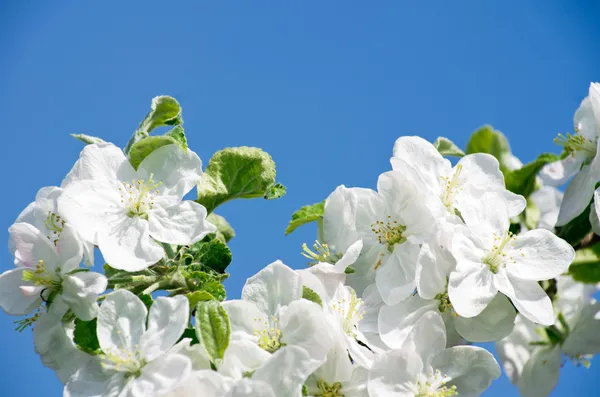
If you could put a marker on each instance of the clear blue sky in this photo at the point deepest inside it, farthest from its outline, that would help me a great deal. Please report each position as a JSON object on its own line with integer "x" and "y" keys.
{"x": 324, "y": 86}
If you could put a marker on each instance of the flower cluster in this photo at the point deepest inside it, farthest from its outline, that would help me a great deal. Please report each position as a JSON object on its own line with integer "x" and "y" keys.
{"x": 402, "y": 280}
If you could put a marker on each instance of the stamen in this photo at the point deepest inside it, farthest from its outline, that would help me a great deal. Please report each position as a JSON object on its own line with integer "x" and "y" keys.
{"x": 496, "y": 257}
{"x": 451, "y": 187}
{"x": 389, "y": 233}
{"x": 327, "y": 390}
{"x": 138, "y": 196}
{"x": 576, "y": 143}
{"x": 435, "y": 386}
{"x": 349, "y": 309}
{"x": 321, "y": 253}
{"x": 269, "y": 337}
{"x": 55, "y": 225}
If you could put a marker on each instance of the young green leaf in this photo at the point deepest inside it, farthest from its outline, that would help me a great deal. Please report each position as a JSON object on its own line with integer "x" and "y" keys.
{"x": 447, "y": 148}
{"x": 199, "y": 296}
{"x": 586, "y": 265}
{"x": 212, "y": 328}
{"x": 142, "y": 148}
{"x": 164, "y": 110}
{"x": 224, "y": 230}
{"x": 87, "y": 139}
{"x": 306, "y": 214}
{"x": 232, "y": 173}
{"x": 488, "y": 140}
{"x": 213, "y": 254}
{"x": 85, "y": 336}
{"x": 275, "y": 191}
{"x": 311, "y": 295}
{"x": 574, "y": 231}
{"x": 523, "y": 180}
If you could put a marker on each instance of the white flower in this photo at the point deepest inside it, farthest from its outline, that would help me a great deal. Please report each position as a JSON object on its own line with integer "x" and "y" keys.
{"x": 46, "y": 271}
{"x": 582, "y": 163}
{"x": 43, "y": 214}
{"x": 392, "y": 224}
{"x": 490, "y": 259}
{"x": 136, "y": 361}
{"x": 273, "y": 315}
{"x": 125, "y": 211}
{"x": 547, "y": 199}
{"x": 53, "y": 341}
{"x": 423, "y": 367}
{"x": 451, "y": 188}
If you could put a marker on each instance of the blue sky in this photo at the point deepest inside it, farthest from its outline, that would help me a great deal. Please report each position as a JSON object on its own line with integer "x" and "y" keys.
{"x": 325, "y": 87}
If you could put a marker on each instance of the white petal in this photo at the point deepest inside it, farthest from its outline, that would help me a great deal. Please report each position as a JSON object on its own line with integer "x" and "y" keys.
{"x": 251, "y": 388}
{"x": 210, "y": 382}
{"x": 397, "y": 321}
{"x": 161, "y": 376}
{"x": 527, "y": 296}
{"x": 167, "y": 320}
{"x": 339, "y": 228}
{"x": 547, "y": 199}
{"x": 178, "y": 170}
{"x": 100, "y": 162}
{"x": 92, "y": 381}
{"x": 395, "y": 374}
{"x": 301, "y": 325}
{"x": 196, "y": 353}
{"x": 242, "y": 357}
{"x": 395, "y": 278}
{"x": 350, "y": 256}
{"x": 80, "y": 291}
{"x": 580, "y": 191}
{"x": 128, "y": 245}
{"x": 427, "y": 338}
{"x": 471, "y": 288}
{"x": 514, "y": 350}
{"x": 92, "y": 206}
{"x": 471, "y": 369}
{"x": 12, "y": 300}
{"x": 432, "y": 271}
{"x": 539, "y": 255}
{"x": 121, "y": 322}
{"x": 487, "y": 214}
{"x": 594, "y": 211}
{"x": 559, "y": 172}
{"x": 70, "y": 250}
{"x": 244, "y": 319}
{"x": 494, "y": 323}
{"x": 584, "y": 338}
{"x": 274, "y": 286}
{"x": 183, "y": 224}
{"x": 584, "y": 119}
{"x": 292, "y": 361}
{"x": 540, "y": 374}
{"x": 31, "y": 246}
{"x": 414, "y": 152}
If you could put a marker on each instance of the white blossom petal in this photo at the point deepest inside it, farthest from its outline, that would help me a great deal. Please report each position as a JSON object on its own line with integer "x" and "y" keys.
{"x": 397, "y": 321}
{"x": 93, "y": 381}
{"x": 527, "y": 296}
{"x": 167, "y": 320}
{"x": 494, "y": 323}
{"x": 161, "y": 376}
{"x": 395, "y": 374}
{"x": 80, "y": 291}
{"x": 102, "y": 163}
{"x": 292, "y": 361}
{"x": 184, "y": 223}
{"x": 471, "y": 288}
{"x": 584, "y": 338}
{"x": 540, "y": 373}
{"x": 395, "y": 278}
{"x": 31, "y": 246}
{"x": 12, "y": 299}
{"x": 274, "y": 286}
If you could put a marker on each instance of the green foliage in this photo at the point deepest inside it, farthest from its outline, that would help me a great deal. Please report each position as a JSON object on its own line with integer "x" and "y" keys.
{"x": 87, "y": 139}
{"x": 199, "y": 296}
{"x": 447, "y": 148}
{"x": 232, "y": 173}
{"x": 164, "y": 110}
{"x": 212, "y": 328}
{"x": 311, "y": 295}
{"x": 147, "y": 299}
{"x": 586, "y": 265}
{"x": 306, "y": 214}
{"x": 85, "y": 336}
{"x": 523, "y": 180}
{"x": 211, "y": 253}
{"x": 488, "y": 140}
{"x": 197, "y": 279}
{"x": 275, "y": 191}
{"x": 190, "y": 333}
{"x": 224, "y": 230}
{"x": 574, "y": 231}
{"x": 142, "y": 148}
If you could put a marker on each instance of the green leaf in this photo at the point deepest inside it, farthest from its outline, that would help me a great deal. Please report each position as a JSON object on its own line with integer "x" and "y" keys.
{"x": 224, "y": 230}
{"x": 232, "y": 173}
{"x": 523, "y": 180}
{"x": 213, "y": 254}
{"x": 488, "y": 140}
{"x": 85, "y": 336}
{"x": 199, "y": 296}
{"x": 447, "y": 148}
{"x": 311, "y": 295}
{"x": 178, "y": 136}
{"x": 574, "y": 231}
{"x": 165, "y": 110}
{"x": 147, "y": 299}
{"x": 275, "y": 191}
{"x": 199, "y": 280}
{"x": 306, "y": 214}
{"x": 586, "y": 265}
{"x": 87, "y": 139}
{"x": 189, "y": 333}
{"x": 212, "y": 328}
{"x": 142, "y": 148}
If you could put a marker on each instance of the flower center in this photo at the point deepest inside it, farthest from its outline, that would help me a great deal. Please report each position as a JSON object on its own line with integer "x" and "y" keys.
{"x": 496, "y": 257}
{"x": 40, "y": 277}
{"x": 451, "y": 187}
{"x": 269, "y": 337}
{"x": 55, "y": 224}
{"x": 349, "y": 311}
{"x": 576, "y": 143}
{"x": 130, "y": 362}
{"x": 138, "y": 196}
{"x": 327, "y": 390}
{"x": 389, "y": 233}
{"x": 435, "y": 386}
{"x": 445, "y": 304}
{"x": 321, "y": 253}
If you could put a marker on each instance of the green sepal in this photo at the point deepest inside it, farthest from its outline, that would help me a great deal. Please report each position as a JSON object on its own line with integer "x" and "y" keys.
{"x": 88, "y": 139}
{"x": 311, "y": 295}
{"x": 306, "y": 214}
{"x": 586, "y": 265}
{"x": 233, "y": 173}
{"x": 447, "y": 148}
{"x": 212, "y": 328}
